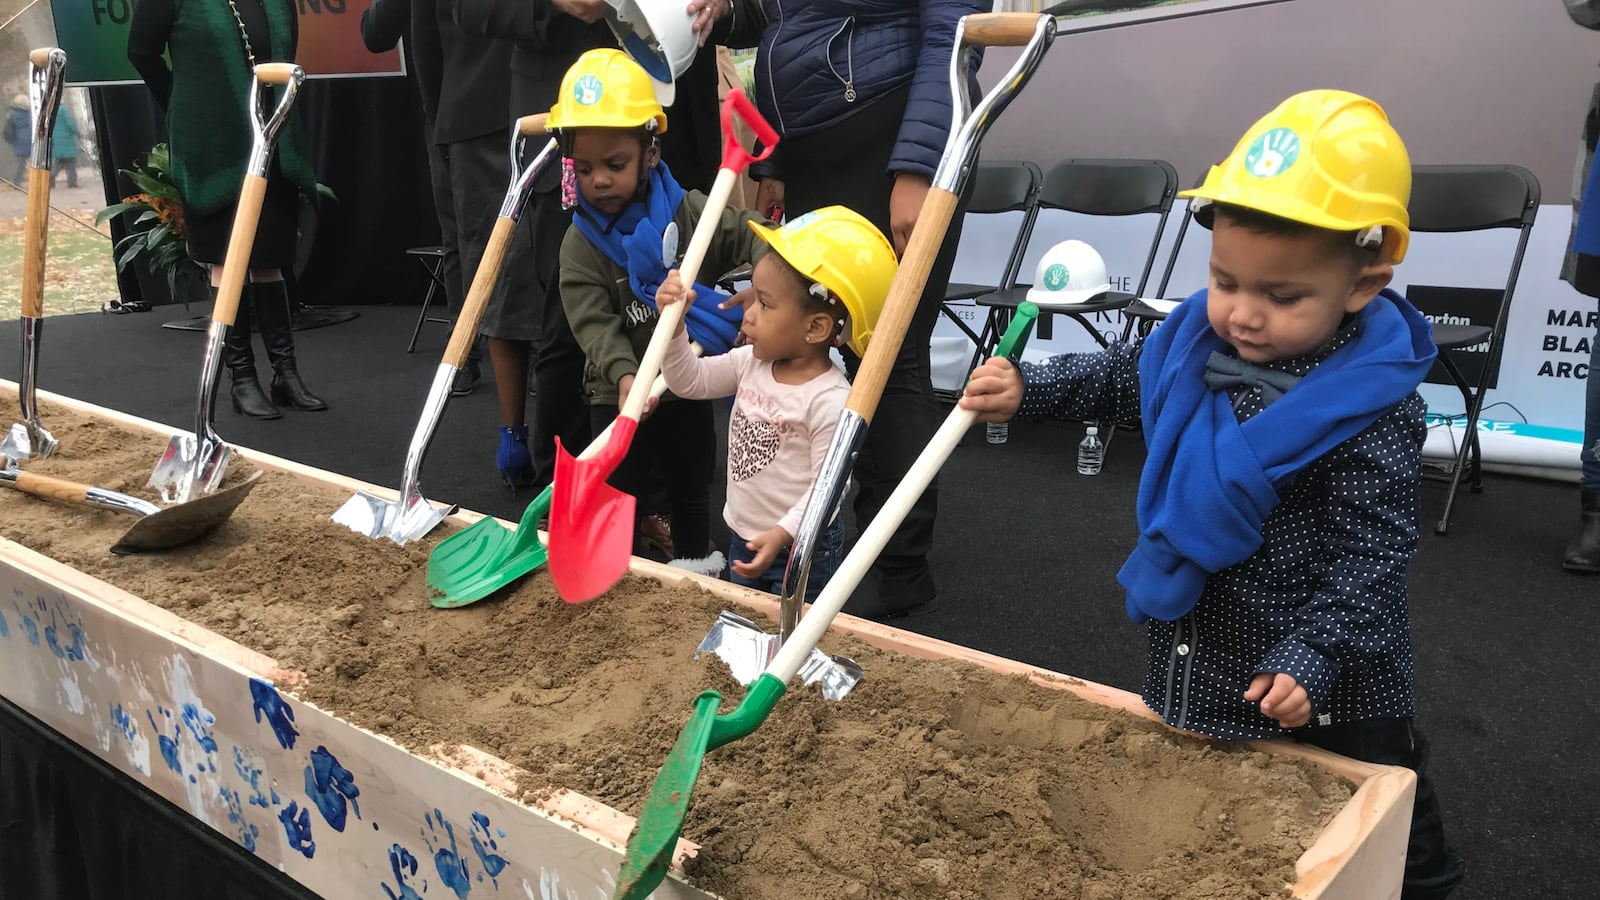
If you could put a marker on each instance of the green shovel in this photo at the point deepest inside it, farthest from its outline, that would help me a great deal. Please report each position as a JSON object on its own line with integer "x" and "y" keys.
{"x": 483, "y": 558}
{"x": 653, "y": 840}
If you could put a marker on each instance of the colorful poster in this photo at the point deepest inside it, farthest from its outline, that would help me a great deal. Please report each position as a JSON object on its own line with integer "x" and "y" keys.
{"x": 94, "y": 33}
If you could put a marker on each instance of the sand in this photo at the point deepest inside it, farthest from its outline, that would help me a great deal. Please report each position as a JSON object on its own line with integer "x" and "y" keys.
{"x": 931, "y": 780}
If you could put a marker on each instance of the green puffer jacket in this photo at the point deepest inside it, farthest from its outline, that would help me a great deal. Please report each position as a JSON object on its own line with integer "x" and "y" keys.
{"x": 208, "y": 123}
{"x": 611, "y": 324}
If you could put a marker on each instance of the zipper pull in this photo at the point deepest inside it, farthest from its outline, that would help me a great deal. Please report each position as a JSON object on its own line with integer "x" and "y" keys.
{"x": 849, "y": 92}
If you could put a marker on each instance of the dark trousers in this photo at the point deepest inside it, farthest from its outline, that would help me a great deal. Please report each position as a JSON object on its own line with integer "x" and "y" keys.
{"x": 463, "y": 189}
{"x": 678, "y": 441}
{"x": 1432, "y": 868}
{"x": 846, "y": 164}
{"x": 68, "y": 164}
{"x": 825, "y": 559}
{"x": 557, "y": 358}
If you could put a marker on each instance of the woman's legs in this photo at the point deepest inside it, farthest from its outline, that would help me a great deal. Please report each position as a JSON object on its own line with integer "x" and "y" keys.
{"x": 238, "y": 356}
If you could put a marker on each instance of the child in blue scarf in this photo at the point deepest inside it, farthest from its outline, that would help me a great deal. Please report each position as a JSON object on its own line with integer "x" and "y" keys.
{"x": 631, "y": 223}
{"x": 1278, "y": 503}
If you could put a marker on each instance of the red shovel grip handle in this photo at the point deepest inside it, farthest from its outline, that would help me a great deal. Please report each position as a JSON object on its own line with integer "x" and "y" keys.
{"x": 734, "y": 156}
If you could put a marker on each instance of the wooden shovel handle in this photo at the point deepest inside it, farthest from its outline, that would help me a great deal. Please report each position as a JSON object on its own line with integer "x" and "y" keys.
{"x": 1013, "y": 29}
{"x": 274, "y": 73}
{"x": 40, "y": 57}
{"x": 237, "y": 264}
{"x": 483, "y": 282}
{"x": 34, "y": 239}
{"x": 52, "y": 488}
{"x": 905, "y": 292}
{"x": 528, "y": 126}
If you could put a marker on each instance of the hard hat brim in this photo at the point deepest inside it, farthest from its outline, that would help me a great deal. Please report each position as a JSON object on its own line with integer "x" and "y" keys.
{"x": 1043, "y": 298}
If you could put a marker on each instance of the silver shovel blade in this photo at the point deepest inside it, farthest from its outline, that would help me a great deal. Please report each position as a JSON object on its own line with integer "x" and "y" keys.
{"x": 190, "y": 468}
{"x": 747, "y": 650}
{"x": 26, "y": 441}
{"x": 376, "y": 517}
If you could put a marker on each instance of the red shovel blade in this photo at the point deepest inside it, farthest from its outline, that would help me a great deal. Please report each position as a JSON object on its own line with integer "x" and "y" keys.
{"x": 591, "y": 522}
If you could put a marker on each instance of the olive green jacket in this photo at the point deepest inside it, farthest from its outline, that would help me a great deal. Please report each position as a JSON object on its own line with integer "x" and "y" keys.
{"x": 611, "y": 324}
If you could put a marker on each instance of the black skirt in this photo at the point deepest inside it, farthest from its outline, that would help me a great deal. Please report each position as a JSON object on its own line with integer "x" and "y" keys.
{"x": 277, "y": 230}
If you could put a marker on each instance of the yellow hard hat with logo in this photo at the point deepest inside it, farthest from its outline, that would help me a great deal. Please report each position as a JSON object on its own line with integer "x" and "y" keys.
{"x": 839, "y": 249}
{"x": 606, "y": 89}
{"x": 1325, "y": 158}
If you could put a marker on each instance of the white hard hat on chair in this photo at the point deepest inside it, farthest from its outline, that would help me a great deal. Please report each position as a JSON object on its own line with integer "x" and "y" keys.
{"x": 1070, "y": 272}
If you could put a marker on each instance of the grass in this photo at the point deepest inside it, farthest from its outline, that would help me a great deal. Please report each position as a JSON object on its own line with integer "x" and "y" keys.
{"x": 79, "y": 273}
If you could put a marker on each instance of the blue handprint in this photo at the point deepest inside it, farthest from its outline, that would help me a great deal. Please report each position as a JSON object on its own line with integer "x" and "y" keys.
{"x": 403, "y": 863}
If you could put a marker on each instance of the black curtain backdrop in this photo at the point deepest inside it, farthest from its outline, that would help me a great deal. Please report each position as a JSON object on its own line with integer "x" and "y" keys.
{"x": 365, "y": 140}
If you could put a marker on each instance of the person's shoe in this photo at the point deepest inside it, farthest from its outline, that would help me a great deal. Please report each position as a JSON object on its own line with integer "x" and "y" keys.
{"x": 466, "y": 378}
{"x": 277, "y": 332}
{"x": 710, "y": 565}
{"x": 238, "y": 356}
{"x": 1583, "y": 553}
{"x": 513, "y": 459}
{"x": 655, "y": 534}
{"x": 895, "y": 595}
{"x": 289, "y": 390}
{"x": 248, "y": 398}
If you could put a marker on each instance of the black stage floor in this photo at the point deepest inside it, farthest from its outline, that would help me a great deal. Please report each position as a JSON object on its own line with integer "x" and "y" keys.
{"x": 1026, "y": 555}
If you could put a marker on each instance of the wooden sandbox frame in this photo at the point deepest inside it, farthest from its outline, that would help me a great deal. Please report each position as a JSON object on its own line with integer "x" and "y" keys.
{"x": 206, "y": 723}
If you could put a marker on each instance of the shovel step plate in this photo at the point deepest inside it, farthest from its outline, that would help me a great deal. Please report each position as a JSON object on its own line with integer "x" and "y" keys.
{"x": 747, "y": 650}
{"x": 375, "y": 517}
{"x": 22, "y": 442}
{"x": 190, "y": 468}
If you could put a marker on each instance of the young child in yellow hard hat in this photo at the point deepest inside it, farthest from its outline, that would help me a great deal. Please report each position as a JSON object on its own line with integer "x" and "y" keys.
{"x": 631, "y": 221}
{"x": 1278, "y": 504}
{"x": 822, "y": 285}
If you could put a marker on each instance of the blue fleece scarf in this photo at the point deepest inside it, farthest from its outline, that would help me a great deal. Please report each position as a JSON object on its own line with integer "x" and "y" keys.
{"x": 1209, "y": 481}
{"x": 633, "y": 241}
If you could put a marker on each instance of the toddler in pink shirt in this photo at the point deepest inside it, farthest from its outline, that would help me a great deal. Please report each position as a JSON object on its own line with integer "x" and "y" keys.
{"x": 822, "y": 285}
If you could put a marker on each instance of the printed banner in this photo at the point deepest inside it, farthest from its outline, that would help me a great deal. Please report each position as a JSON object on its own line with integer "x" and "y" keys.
{"x": 94, "y": 33}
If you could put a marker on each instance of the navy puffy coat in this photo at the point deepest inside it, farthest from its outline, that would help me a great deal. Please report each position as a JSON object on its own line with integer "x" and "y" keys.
{"x": 822, "y": 60}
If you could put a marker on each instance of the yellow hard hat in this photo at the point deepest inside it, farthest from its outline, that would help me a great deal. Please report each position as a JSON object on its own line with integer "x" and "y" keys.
{"x": 606, "y": 89}
{"x": 1325, "y": 158}
{"x": 842, "y": 251}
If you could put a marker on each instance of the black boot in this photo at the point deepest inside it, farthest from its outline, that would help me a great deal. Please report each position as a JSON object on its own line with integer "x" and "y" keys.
{"x": 240, "y": 359}
{"x": 272, "y": 313}
{"x": 1583, "y": 553}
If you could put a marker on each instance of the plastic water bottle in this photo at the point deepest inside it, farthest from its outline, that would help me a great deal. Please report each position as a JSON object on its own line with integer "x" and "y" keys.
{"x": 1091, "y": 452}
{"x": 997, "y": 432}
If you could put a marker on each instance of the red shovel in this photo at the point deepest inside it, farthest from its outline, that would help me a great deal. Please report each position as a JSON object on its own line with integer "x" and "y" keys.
{"x": 591, "y": 522}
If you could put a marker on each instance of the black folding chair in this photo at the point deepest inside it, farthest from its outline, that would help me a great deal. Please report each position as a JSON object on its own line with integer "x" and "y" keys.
{"x": 1092, "y": 187}
{"x": 1000, "y": 187}
{"x": 1142, "y": 316}
{"x": 1464, "y": 198}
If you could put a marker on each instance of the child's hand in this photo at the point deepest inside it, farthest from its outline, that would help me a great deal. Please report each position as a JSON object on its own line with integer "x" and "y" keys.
{"x": 994, "y": 391}
{"x": 1281, "y": 697}
{"x": 766, "y": 546}
{"x": 672, "y": 290}
{"x": 624, "y": 388}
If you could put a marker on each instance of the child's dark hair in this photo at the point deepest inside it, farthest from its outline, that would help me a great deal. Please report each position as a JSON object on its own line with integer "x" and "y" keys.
{"x": 817, "y": 298}
{"x": 1277, "y": 226}
{"x": 567, "y": 136}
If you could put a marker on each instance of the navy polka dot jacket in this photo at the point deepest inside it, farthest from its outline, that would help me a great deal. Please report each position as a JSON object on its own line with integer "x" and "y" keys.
{"x": 1322, "y": 600}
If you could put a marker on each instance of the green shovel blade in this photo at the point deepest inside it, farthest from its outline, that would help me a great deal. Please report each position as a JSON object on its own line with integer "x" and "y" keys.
{"x": 477, "y": 561}
{"x": 661, "y": 821}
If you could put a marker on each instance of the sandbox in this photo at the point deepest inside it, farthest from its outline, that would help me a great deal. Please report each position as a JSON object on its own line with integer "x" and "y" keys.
{"x": 286, "y": 682}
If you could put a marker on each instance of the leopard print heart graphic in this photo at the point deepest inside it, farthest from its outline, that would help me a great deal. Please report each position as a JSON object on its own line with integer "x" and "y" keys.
{"x": 752, "y": 446}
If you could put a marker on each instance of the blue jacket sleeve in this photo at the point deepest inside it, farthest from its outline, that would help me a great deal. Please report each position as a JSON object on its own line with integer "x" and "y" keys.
{"x": 1102, "y": 386}
{"x": 1358, "y": 611}
{"x": 926, "y": 124}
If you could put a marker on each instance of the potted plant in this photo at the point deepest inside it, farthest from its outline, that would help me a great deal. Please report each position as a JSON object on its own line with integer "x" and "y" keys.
{"x": 156, "y": 232}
